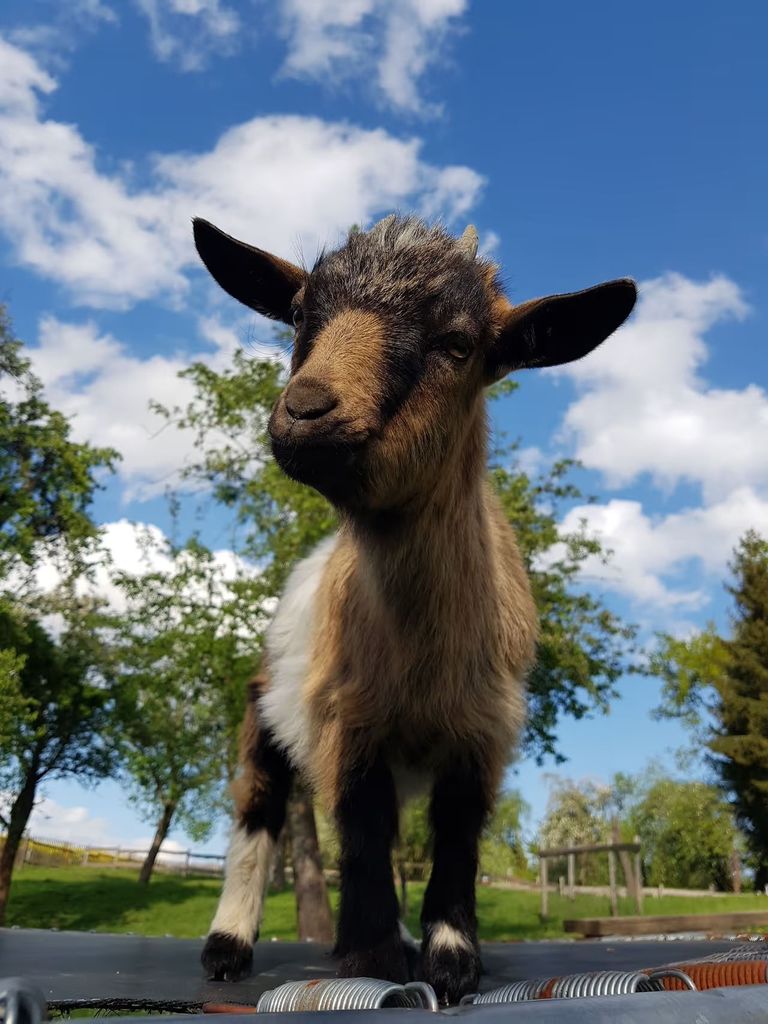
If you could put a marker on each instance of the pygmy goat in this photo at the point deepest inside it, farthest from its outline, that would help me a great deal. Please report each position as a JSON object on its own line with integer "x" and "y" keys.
{"x": 397, "y": 657}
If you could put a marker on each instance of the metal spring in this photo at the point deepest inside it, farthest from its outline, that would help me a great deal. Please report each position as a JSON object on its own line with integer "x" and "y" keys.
{"x": 755, "y": 950}
{"x": 718, "y": 975}
{"x": 601, "y": 983}
{"x": 346, "y": 994}
{"x": 515, "y": 992}
{"x": 574, "y": 986}
{"x": 20, "y": 1003}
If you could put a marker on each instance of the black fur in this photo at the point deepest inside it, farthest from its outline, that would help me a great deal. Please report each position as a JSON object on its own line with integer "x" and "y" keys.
{"x": 267, "y": 809}
{"x": 226, "y": 958}
{"x": 413, "y": 276}
{"x": 368, "y": 942}
{"x": 459, "y": 809}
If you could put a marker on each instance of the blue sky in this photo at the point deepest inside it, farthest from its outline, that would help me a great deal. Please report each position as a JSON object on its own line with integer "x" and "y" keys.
{"x": 585, "y": 141}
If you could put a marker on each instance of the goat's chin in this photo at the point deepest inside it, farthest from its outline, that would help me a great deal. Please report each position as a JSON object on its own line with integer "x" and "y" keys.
{"x": 335, "y": 470}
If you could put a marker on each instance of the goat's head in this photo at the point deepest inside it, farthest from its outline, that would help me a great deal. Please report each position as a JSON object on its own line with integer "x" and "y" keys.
{"x": 397, "y": 332}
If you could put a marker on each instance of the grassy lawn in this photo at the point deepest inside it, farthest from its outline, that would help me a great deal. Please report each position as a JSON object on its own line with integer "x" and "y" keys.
{"x": 105, "y": 900}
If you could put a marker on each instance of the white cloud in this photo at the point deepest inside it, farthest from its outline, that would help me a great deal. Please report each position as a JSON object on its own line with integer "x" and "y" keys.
{"x": 54, "y": 39}
{"x": 644, "y": 407}
{"x": 93, "y": 379}
{"x": 653, "y": 555}
{"x": 75, "y": 824}
{"x": 345, "y": 38}
{"x": 188, "y": 32}
{"x": 271, "y": 179}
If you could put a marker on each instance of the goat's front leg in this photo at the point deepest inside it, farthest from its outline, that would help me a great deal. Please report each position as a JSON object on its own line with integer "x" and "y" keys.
{"x": 261, "y": 795}
{"x": 461, "y": 801}
{"x": 368, "y": 942}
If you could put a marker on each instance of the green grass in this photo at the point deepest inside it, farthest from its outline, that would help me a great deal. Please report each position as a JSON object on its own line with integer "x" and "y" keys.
{"x": 105, "y": 900}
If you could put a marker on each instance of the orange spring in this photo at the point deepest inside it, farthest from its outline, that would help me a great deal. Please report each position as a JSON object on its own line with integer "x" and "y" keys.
{"x": 714, "y": 975}
{"x": 546, "y": 992}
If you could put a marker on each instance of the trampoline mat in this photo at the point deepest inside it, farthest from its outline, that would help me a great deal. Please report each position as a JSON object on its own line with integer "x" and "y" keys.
{"x": 80, "y": 969}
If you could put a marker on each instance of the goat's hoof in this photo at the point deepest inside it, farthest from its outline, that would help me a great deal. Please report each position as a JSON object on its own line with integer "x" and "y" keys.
{"x": 452, "y": 971}
{"x": 387, "y": 962}
{"x": 225, "y": 957}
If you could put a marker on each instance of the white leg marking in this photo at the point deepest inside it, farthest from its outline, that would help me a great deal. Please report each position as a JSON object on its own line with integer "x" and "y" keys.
{"x": 289, "y": 648}
{"x": 447, "y": 937}
{"x": 246, "y": 875}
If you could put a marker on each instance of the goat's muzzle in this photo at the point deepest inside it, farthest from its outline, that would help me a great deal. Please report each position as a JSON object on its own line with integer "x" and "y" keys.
{"x": 314, "y": 442}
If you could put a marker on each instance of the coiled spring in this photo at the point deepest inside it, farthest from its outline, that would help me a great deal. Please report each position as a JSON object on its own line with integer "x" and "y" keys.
{"x": 755, "y": 950}
{"x": 575, "y": 986}
{"x": 20, "y": 1003}
{"x": 346, "y": 994}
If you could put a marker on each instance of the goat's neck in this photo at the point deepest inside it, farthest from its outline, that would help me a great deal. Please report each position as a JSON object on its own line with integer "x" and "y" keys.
{"x": 424, "y": 564}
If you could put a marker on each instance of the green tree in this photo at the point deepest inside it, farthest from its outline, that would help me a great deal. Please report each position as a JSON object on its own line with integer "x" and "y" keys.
{"x": 60, "y": 713}
{"x": 583, "y": 646}
{"x": 577, "y": 815}
{"x": 739, "y": 741}
{"x": 184, "y": 648}
{"x": 47, "y": 480}
{"x": 687, "y": 833}
{"x": 502, "y": 848}
{"x": 719, "y": 686}
{"x": 55, "y": 703}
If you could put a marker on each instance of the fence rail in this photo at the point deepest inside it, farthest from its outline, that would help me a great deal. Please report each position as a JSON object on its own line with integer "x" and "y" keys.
{"x": 58, "y": 852}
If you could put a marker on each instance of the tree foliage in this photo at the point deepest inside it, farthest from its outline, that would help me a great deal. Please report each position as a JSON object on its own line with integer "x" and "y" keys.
{"x": 583, "y": 645}
{"x": 719, "y": 686}
{"x": 739, "y": 741}
{"x": 54, "y": 700}
{"x": 183, "y": 649}
{"x": 59, "y": 713}
{"x": 686, "y": 828}
{"x": 47, "y": 480}
{"x": 687, "y": 833}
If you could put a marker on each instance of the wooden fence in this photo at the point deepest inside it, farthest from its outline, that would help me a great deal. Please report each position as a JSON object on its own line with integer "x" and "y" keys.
{"x": 58, "y": 853}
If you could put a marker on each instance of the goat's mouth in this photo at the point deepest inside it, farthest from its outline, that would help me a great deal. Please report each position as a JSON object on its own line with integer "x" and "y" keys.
{"x": 331, "y": 463}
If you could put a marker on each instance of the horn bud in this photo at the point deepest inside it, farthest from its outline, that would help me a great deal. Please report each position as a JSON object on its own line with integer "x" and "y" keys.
{"x": 469, "y": 241}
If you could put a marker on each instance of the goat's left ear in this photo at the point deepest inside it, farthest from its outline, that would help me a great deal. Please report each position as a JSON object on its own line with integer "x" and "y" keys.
{"x": 559, "y": 328}
{"x": 254, "y": 277}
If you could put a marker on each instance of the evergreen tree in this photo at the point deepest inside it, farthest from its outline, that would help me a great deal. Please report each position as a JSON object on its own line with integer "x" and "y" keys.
{"x": 740, "y": 738}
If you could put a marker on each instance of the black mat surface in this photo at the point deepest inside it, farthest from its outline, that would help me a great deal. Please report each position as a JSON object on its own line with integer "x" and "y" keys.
{"x": 71, "y": 967}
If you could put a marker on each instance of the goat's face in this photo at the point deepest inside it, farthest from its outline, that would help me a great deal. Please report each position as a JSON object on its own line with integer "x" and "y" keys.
{"x": 397, "y": 332}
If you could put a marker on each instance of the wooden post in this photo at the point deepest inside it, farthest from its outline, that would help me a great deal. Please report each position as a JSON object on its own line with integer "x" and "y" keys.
{"x": 186, "y": 863}
{"x": 736, "y": 871}
{"x": 116, "y": 860}
{"x": 638, "y": 881}
{"x": 86, "y": 851}
{"x": 544, "y": 890}
{"x": 561, "y": 885}
{"x": 572, "y": 876}
{"x": 612, "y": 883}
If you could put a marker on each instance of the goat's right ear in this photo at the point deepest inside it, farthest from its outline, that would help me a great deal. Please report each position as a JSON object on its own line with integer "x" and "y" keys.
{"x": 254, "y": 277}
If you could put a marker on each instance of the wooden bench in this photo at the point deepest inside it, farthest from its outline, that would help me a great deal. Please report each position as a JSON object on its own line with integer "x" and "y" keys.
{"x": 663, "y": 924}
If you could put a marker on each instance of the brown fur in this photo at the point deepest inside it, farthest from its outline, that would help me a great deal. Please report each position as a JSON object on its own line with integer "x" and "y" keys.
{"x": 424, "y": 636}
{"x": 252, "y": 781}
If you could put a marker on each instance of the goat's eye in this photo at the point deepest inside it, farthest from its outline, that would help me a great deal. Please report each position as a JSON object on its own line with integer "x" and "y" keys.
{"x": 457, "y": 345}
{"x": 298, "y": 316}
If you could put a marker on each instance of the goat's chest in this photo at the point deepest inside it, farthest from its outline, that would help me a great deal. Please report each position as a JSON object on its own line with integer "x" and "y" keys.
{"x": 416, "y": 686}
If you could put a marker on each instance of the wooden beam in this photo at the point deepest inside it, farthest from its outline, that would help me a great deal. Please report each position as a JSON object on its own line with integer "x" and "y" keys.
{"x": 663, "y": 924}
{"x": 564, "y": 851}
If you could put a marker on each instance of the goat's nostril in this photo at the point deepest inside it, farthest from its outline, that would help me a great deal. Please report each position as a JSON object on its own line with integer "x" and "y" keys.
{"x": 309, "y": 401}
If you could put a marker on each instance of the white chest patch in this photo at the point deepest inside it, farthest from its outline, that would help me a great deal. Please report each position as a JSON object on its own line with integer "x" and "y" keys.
{"x": 288, "y": 643}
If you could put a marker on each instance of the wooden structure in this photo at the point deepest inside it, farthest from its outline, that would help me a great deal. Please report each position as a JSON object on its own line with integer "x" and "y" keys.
{"x": 612, "y": 849}
{"x": 663, "y": 924}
